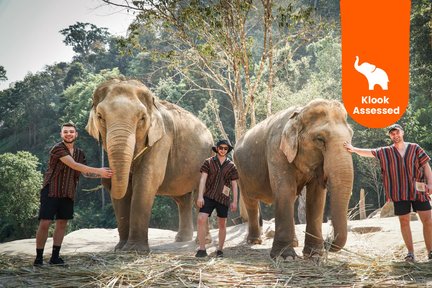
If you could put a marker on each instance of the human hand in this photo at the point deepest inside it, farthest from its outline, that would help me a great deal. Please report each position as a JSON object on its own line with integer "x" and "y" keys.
{"x": 200, "y": 202}
{"x": 105, "y": 172}
{"x": 348, "y": 147}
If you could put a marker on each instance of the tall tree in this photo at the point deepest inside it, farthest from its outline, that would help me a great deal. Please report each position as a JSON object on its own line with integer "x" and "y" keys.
{"x": 213, "y": 40}
{"x": 85, "y": 38}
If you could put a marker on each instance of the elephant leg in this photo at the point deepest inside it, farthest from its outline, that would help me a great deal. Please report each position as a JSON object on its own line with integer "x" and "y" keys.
{"x": 184, "y": 204}
{"x": 315, "y": 202}
{"x": 122, "y": 213}
{"x": 283, "y": 242}
{"x": 254, "y": 232}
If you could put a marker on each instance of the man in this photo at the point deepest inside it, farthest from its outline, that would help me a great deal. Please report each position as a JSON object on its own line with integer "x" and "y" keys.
{"x": 65, "y": 165}
{"x": 218, "y": 174}
{"x": 404, "y": 167}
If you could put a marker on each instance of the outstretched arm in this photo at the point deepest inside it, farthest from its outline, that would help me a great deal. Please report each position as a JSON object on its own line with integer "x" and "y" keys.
{"x": 87, "y": 171}
{"x": 359, "y": 151}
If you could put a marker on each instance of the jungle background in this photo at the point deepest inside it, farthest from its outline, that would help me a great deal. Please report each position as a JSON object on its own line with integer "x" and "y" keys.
{"x": 231, "y": 63}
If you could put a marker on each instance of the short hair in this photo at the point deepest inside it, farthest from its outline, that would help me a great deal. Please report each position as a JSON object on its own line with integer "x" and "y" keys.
{"x": 69, "y": 124}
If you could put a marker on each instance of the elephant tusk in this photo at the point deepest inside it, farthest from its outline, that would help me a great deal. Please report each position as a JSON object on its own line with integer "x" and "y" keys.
{"x": 140, "y": 153}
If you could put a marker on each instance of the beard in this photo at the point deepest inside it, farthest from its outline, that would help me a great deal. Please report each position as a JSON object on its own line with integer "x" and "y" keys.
{"x": 69, "y": 141}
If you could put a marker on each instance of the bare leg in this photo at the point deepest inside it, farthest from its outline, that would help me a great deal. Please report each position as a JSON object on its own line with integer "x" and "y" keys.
{"x": 42, "y": 233}
{"x": 426, "y": 219}
{"x": 202, "y": 229}
{"x": 59, "y": 232}
{"x": 404, "y": 221}
{"x": 222, "y": 232}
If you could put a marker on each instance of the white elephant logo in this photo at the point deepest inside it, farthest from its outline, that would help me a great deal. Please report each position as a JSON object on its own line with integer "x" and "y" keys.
{"x": 374, "y": 75}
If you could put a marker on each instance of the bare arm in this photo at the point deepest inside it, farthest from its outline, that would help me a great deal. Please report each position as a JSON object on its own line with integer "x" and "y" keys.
{"x": 87, "y": 171}
{"x": 428, "y": 174}
{"x": 359, "y": 151}
{"x": 200, "y": 199}
{"x": 235, "y": 195}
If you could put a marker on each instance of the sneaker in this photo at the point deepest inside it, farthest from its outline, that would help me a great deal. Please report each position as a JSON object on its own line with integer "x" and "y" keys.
{"x": 430, "y": 255}
{"x": 201, "y": 253}
{"x": 57, "y": 261}
{"x": 410, "y": 257}
{"x": 38, "y": 262}
{"x": 219, "y": 253}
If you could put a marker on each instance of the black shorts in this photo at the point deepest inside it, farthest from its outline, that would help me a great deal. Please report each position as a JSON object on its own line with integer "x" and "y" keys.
{"x": 404, "y": 207}
{"x": 55, "y": 208}
{"x": 210, "y": 205}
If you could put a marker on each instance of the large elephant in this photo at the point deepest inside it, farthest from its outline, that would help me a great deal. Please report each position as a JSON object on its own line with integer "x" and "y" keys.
{"x": 294, "y": 148}
{"x": 154, "y": 147}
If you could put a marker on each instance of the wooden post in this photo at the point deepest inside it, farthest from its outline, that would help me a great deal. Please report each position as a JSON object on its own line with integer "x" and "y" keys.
{"x": 362, "y": 204}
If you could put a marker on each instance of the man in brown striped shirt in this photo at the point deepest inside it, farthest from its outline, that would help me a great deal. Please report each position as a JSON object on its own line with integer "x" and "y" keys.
{"x": 218, "y": 175}
{"x": 405, "y": 167}
{"x": 66, "y": 163}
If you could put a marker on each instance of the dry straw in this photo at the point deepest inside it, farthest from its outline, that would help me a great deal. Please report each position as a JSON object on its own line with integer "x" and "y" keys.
{"x": 241, "y": 267}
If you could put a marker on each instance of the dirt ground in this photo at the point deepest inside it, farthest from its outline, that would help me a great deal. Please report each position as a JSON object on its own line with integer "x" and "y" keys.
{"x": 373, "y": 244}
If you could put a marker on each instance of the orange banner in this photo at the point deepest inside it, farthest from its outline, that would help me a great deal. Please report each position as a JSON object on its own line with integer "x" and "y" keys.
{"x": 375, "y": 60}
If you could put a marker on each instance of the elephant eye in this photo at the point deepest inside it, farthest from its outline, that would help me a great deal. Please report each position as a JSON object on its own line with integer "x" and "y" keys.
{"x": 320, "y": 141}
{"x": 99, "y": 116}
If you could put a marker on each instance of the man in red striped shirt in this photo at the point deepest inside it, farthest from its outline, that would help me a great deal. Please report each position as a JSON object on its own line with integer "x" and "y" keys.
{"x": 405, "y": 166}
{"x": 218, "y": 175}
{"x": 66, "y": 163}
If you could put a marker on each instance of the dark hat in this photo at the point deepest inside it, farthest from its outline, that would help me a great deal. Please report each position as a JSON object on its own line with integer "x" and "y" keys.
{"x": 394, "y": 127}
{"x": 221, "y": 142}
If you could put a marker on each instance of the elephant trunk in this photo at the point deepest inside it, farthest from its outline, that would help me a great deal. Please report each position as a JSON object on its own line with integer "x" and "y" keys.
{"x": 120, "y": 147}
{"x": 340, "y": 184}
{"x": 356, "y": 66}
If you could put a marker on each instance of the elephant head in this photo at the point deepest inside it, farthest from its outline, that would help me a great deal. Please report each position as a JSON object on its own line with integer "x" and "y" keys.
{"x": 126, "y": 115}
{"x": 312, "y": 140}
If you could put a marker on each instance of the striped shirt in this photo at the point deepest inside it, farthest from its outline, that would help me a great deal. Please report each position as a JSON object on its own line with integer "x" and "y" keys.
{"x": 401, "y": 173}
{"x": 61, "y": 178}
{"x": 218, "y": 177}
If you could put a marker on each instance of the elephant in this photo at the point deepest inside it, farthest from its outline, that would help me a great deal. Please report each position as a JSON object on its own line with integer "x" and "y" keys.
{"x": 154, "y": 148}
{"x": 373, "y": 75}
{"x": 295, "y": 148}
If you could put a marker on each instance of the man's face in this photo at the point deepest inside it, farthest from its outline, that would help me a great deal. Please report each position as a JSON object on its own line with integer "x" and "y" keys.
{"x": 68, "y": 134}
{"x": 396, "y": 136}
{"x": 222, "y": 150}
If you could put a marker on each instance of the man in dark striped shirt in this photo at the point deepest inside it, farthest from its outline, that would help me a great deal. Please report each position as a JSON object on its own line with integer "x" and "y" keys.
{"x": 218, "y": 175}
{"x": 405, "y": 167}
{"x": 66, "y": 163}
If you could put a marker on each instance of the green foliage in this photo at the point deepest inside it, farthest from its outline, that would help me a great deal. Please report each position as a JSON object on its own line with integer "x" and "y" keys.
{"x": 92, "y": 216}
{"x": 85, "y": 38}
{"x": 20, "y": 183}
{"x": 3, "y": 74}
{"x": 164, "y": 213}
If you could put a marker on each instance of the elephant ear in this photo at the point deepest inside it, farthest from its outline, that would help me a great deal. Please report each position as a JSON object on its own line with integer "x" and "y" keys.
{"x": 98, "y": 96}
{"x": 91, "y": 124}
{"x": 157, "y": 127}
{"x": 289, "y": 139}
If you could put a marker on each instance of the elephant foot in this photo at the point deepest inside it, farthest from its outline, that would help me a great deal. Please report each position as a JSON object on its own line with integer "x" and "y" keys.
{"x": 120, "y": 245}
{"x": 136, "y": 246}
{"x": 183, "y": 237}
{"x": 284, "y": 250}
{"x": 254, "y": 240}
{"x": 313, "y": 253}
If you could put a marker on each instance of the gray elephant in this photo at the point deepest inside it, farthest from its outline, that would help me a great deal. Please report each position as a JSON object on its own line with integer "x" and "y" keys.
{"x": 373, "y": 74}
{"x": 294, "y": 148}
{"x": 154, "y": 147}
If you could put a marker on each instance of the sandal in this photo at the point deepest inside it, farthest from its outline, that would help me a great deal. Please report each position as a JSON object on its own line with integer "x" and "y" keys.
{"x": 410, "y": 257}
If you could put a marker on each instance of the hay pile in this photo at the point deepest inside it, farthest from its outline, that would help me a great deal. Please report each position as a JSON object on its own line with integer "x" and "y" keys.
{"x": 242, "y": 267}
